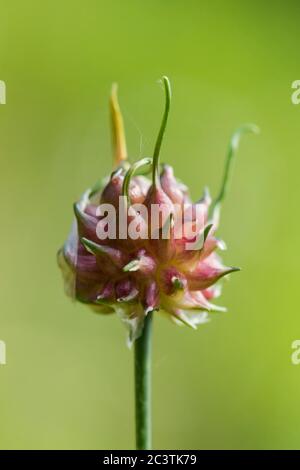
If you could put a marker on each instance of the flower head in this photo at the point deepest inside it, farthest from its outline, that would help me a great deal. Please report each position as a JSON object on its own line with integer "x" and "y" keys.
{"x": 124, "y": 257}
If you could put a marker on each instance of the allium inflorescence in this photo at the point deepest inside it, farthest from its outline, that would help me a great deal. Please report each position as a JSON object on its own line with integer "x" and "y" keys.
{"x": 135, "y": 276}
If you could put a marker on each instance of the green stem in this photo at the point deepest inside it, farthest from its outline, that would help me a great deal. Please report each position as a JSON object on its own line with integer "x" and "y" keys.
{"x": 233, "y": 147}
{"x": 155, "y": 168}
{"x": 142, "y": 365}
{"x": 130, "y": 173}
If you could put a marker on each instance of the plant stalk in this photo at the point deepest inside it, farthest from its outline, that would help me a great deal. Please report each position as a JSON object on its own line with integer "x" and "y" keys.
{"x": 142, "y": 365}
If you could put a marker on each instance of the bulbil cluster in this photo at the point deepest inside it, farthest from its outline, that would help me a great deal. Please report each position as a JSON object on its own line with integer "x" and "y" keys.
{"x": 134, "y": 276}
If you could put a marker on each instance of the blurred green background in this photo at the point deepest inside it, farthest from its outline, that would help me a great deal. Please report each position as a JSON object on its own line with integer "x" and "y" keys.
{"x": 68, "y": 382}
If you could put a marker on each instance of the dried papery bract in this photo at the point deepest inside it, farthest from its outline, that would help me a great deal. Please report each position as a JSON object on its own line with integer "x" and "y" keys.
{"x": 118, "y": 133}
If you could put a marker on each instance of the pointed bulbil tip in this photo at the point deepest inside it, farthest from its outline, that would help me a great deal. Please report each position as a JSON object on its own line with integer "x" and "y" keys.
{"x": 183, "y": 318}
{"x": 132, "y": 266}
{"x": 207, "y": 232}
{"x": 112, "y": 254}
{"x": 227, "y": 271}
{"x": 117, "y": 126}
{"x": 205, "y": 275}
{"x": 233, "y": 270}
